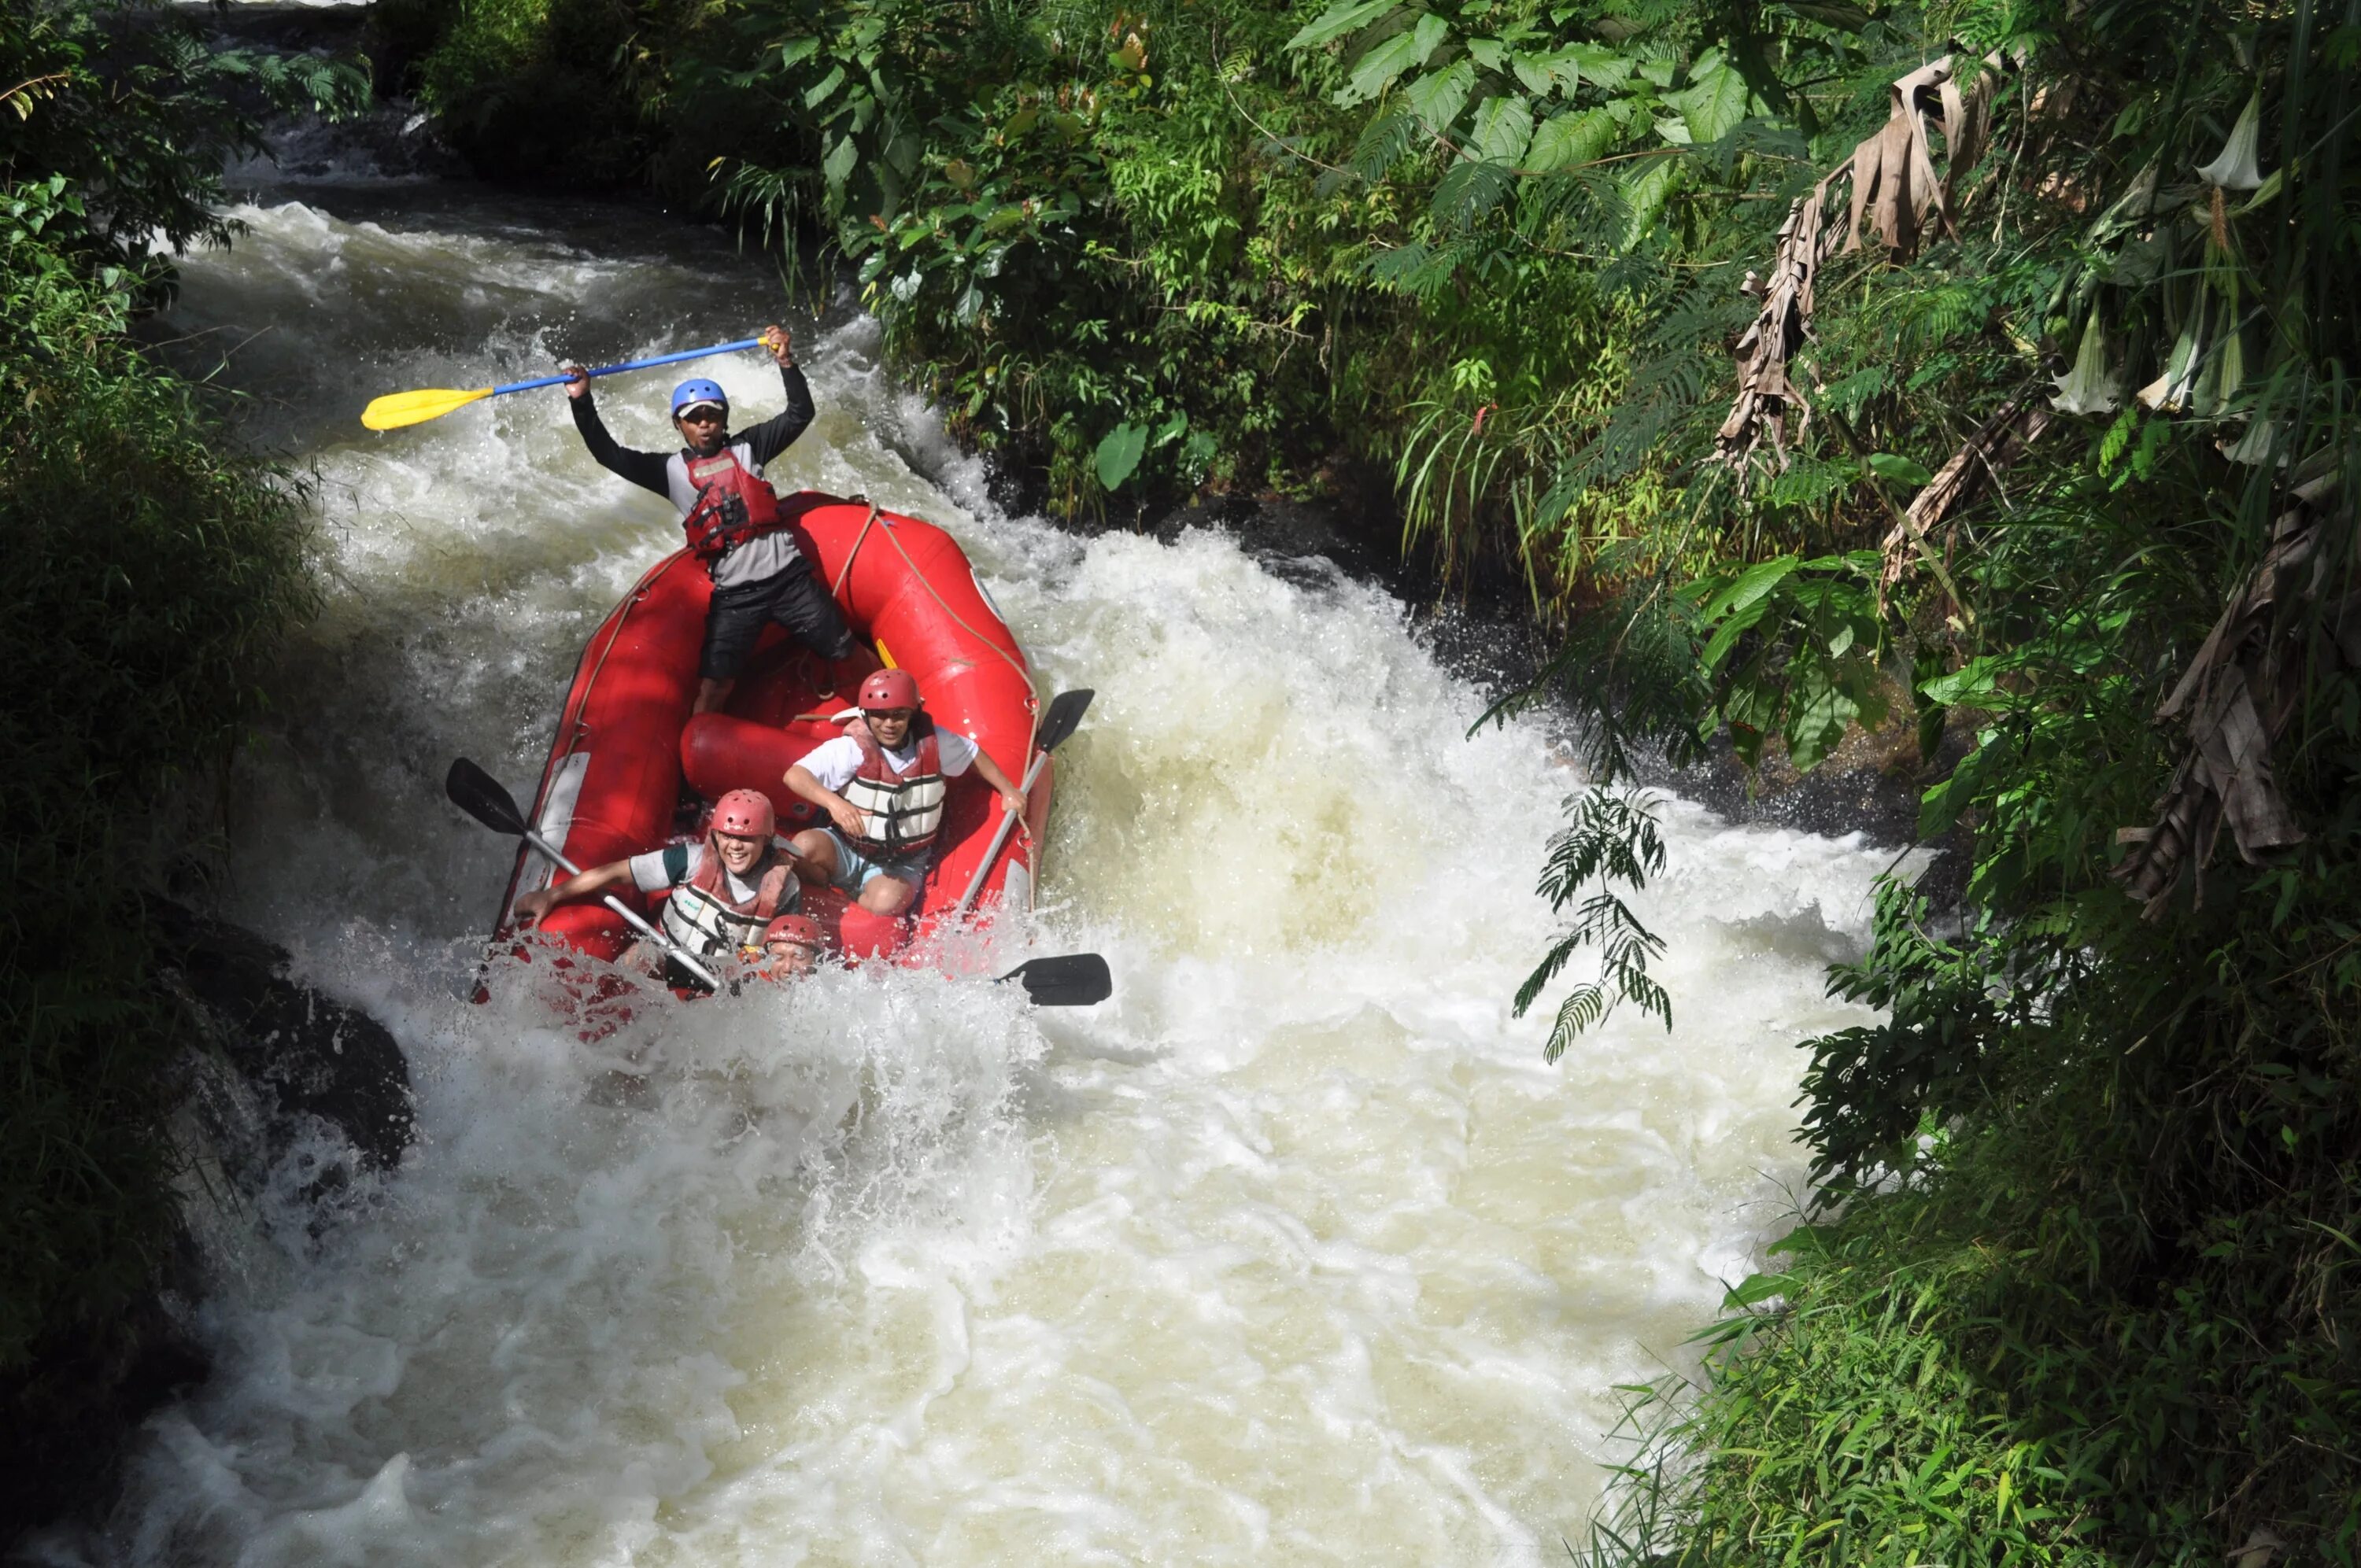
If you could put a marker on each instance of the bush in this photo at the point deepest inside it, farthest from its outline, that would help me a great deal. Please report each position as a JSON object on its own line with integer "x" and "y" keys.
{"x": 151, "y": 572}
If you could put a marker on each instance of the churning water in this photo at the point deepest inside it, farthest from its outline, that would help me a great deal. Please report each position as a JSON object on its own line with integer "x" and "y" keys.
{"x": 1294, "y": 1252}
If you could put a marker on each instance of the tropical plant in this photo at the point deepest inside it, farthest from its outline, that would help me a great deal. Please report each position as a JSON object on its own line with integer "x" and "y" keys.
{"x": 130, "y": 104}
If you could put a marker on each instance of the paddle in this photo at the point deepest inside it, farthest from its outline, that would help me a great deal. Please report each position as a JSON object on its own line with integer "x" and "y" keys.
{"x": 1076, "y": 980}
{"x": 1065, "y": 716}
{"x": 398, "y": 409}
{"x": 481, "y": 796}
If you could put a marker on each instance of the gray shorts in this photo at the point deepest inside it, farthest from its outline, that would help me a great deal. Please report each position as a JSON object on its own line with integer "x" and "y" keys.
{"x": 855, "y": 871}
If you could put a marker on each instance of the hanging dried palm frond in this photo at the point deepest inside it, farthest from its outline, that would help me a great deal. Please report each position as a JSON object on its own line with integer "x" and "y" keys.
{"x": 1895, "y": 185}
{"x": 1770, "y": 346}
{"x": 2239, "y": 692}
{"x": 2003, "y": 439}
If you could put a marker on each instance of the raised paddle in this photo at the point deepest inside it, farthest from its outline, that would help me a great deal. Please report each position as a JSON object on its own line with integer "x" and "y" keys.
{"x": 1065, "y": 716}
{"x": 398, "y": 409}
{"x": 481, "y": 796}
{"x": 1076, "y": 980}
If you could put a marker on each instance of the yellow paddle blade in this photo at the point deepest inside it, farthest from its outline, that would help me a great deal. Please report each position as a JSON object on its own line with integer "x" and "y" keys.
{"x": 397, "y": 408}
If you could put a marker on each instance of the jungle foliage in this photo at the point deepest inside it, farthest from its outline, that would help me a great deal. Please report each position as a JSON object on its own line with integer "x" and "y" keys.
{"x": 150, "y": 569}
{"x": 1983, "y": 366}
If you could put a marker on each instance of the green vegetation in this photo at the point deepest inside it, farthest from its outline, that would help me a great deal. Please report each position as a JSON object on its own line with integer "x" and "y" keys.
{"x": 150, "y": 570}
{"x": 1983, "y": 366}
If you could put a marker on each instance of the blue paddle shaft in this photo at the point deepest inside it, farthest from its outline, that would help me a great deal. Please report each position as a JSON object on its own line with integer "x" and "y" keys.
{"x": 635, "y": 365}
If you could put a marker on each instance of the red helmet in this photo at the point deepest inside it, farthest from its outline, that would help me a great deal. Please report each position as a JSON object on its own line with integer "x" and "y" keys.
{"x": 746, "y": 813}
{"x": 888, "y": 689}
{"x": 800, "y": 930}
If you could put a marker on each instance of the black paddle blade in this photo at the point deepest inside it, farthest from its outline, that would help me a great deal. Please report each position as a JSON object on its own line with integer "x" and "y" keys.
{"x": 1065, "y": 717}
{"x": 1076, "y": 980}
{"x": 479, "y": 795}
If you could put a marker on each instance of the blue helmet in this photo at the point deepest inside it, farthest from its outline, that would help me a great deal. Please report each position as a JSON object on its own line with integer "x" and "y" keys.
{"x": 698, "y": 391}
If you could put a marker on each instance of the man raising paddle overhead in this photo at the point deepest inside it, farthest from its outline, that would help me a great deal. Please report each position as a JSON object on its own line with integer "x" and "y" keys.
{"x": 733, "y": 520}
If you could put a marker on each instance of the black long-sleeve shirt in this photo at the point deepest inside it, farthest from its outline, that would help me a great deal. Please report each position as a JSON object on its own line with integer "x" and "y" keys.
{"x": 667, "y": 473}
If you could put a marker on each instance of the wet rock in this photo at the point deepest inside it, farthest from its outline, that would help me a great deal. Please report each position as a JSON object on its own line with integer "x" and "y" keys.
{"x": 282, "y": 1059}
{"x": 1870, "y": 785}
{"x": 299, "y": 1054}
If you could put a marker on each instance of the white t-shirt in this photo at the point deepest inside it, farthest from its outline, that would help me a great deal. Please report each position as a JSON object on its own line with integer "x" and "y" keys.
{"x": 669, "y": 867}
{"x": 833, "y": 763}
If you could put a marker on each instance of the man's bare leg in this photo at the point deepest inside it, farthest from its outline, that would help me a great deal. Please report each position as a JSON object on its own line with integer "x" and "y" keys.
{"x": 816, "y": 854}
{"x": 711, "y": 694}
{"x": 887, "y": 895}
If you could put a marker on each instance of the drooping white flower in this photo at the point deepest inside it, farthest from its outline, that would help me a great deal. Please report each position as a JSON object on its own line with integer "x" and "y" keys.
{"x": 2168, "y": 393}
{"x": 2087, "y": 389}
{"x": 2237, "y": 169}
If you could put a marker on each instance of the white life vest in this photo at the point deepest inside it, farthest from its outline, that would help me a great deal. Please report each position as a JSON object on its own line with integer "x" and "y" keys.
{"x": 901, "y": 813}
{"x": 703, "y": 918}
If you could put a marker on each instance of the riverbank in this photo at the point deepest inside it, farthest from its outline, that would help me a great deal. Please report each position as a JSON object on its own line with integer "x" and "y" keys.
{"x": 155, "y": 567}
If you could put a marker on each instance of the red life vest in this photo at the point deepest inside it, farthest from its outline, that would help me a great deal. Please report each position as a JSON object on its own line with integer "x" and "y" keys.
{"x": 702, "y": 917}
{"x": 901, "y": 813}
{"x": 734, "y": 504}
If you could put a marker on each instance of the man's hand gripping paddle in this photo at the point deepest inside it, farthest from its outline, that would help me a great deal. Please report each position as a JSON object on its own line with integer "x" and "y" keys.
{"x": 398, "y": 409}
{"x": 1065, "y": 716}
{"x": 480, "y": 795}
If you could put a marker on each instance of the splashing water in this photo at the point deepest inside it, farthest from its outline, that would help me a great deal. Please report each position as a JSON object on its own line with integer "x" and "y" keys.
{"x": 1293, "y": 1252}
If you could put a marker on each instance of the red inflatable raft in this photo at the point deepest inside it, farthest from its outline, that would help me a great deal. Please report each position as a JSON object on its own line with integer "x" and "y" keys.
{"x": 626, "y": 744}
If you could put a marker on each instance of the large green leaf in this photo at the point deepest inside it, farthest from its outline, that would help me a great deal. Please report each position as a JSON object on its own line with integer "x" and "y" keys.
{"x": 1560, "y": 70}
{"x": 1819, "y": 710}
{"x": 1900, "y": 470}
{"x": 1503, "y": 126}
{"x": 1577, "y": 137}
{"x": 1726, "y": 635}
{"x": 1338, "y": 20}
{"x": 839, "y": 162}
{"x": 1119, "y": 453}
{"x": 1645, "y": 194}
{"x": 1376, "y": 70}
{"x": 1430, "y": 31}
{"x": 1600, "y": 65}
{"x": 818, "y": 92}
{"x": 1973, "y": 684}
{"x": 1750, "y": 586}
{"x": 1439, "y": 95}
{"x": 1714, "y": 101}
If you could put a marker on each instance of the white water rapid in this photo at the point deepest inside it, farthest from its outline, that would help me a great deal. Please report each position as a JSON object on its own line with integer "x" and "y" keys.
{"x": 1293, "y": 1252}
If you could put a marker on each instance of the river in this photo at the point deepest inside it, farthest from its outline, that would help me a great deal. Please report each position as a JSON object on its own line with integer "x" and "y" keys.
{"x": 1293, "y": 1252}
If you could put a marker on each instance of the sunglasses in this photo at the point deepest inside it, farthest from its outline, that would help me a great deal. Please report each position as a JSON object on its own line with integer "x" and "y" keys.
{"x": 702, "y": 414}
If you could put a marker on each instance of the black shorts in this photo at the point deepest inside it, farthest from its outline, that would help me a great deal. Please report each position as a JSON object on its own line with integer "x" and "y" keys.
{"x": 794, "y": 599}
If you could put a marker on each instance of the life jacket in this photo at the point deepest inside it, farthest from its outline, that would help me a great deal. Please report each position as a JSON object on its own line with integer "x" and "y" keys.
{"x": 733, "y": 504}
{"x": 901, "y": 813}
{"x": 702, "y": 917}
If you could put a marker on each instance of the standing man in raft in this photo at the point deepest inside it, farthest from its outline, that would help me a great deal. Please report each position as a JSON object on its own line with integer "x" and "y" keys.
{"x": 733, "y": 520}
